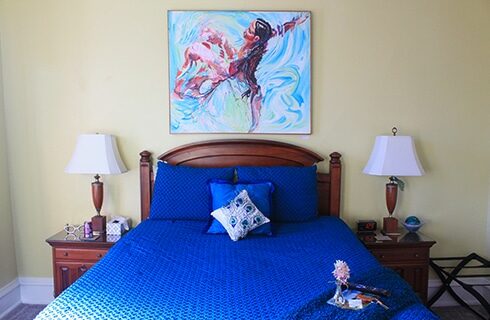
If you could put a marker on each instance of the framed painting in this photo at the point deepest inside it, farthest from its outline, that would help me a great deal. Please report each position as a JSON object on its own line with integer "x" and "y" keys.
{"x": 240, "y": 71}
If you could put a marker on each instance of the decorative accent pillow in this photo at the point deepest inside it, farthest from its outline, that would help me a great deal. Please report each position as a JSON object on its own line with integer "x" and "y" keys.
{"x": 240, "y": 216}
{"x": 182, "y": 192}
{"x": 295, "y": 197}
{"x": 223, "y": 192}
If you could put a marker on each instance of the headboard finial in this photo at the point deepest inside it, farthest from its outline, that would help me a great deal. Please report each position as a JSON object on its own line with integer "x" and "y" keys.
{"x": 145, "y": 156}
{"x": 335, "y": 158}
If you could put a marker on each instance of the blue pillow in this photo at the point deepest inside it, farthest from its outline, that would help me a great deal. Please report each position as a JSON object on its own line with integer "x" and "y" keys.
{"x": 182, "y": 192}
{"x": 295, "y": 198}
{"x": 260, "y": 193}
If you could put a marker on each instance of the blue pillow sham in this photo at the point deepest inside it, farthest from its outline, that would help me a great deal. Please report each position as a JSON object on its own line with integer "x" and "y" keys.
{"x": 260, "y": 192}
{"x": 295, "y": 198}
{"x": 182, "y": 192}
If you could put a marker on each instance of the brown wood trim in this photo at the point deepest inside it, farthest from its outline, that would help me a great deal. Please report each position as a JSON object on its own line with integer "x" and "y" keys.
{"x": 80, "y": 244}
{"x": 146, "y": 183}
{"x": 246, "y": 152}
{"x": 323, "y": 187}
{"x": 335, "y": 183}
{"x": 64, "y": 273}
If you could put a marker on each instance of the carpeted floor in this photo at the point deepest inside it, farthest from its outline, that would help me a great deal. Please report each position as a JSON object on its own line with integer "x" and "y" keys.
{"x": 29, "y": 311}
{"x": 24, "y": 312}
{"x": 459, "y": 313}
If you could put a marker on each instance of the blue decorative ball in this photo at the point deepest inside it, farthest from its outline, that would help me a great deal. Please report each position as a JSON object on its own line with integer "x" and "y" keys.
{"x": 412, "y": 220}
{"x": 412, "y": 224}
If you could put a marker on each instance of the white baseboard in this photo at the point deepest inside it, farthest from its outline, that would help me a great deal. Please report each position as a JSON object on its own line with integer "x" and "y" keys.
{"x": 36, "y": 290}
{"x": 9, "y": 297}
{"x": 446, "y": 300}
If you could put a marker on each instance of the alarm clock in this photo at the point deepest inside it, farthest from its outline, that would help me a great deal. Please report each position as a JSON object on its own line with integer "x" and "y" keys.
{"x": 366, "y": 226}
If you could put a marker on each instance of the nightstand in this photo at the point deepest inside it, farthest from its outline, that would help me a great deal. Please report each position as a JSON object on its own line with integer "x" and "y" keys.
{"x": 407, "y": 254}
{"x": 72, "y": 257}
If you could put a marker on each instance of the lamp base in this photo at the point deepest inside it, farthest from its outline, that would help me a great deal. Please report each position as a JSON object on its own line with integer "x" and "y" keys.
{"x": 99, "y": 223}
{"x": 390, "y": 226}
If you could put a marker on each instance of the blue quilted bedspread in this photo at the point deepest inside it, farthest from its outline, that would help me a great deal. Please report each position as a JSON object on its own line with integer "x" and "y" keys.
{"x": 171, "y": 270}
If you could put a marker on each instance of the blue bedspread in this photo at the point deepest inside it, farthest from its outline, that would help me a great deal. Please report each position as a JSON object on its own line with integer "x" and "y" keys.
{"x": 171, "y": 270}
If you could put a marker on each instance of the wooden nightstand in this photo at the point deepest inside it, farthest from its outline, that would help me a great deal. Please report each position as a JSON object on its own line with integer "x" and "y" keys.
{"x": 73, "y": 257}
{"x": 407, "y": 254}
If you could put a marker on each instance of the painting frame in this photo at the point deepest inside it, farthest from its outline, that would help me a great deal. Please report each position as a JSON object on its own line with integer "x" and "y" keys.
{"x": 300, "y": 106}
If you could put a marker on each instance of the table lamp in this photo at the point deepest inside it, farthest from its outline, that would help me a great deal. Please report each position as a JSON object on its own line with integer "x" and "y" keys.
{"x": 393, "y": 156}
{"x": 96, "y": 154}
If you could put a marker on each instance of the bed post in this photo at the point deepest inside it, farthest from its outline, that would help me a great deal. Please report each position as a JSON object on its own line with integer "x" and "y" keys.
{"x": 335, "y": 174}
{"x": 146, "y": 183}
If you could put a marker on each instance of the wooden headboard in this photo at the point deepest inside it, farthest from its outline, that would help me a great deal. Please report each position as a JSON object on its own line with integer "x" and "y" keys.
{"x": 246, "y": 152}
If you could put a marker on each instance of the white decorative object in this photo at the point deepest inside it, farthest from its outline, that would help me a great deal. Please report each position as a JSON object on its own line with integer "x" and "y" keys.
{"x": 394, "y": 156}
{"x": 341, "y": 274}
{"x": 341, "y": 271}
{"x": 240, "y": 216}
{"x": 118, "y": 225}
{"x": 96, "y": 154}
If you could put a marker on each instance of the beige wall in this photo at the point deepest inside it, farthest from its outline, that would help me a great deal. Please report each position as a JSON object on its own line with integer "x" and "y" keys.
{"x": 101, "y": 66}
{"x": 8, "y": 267}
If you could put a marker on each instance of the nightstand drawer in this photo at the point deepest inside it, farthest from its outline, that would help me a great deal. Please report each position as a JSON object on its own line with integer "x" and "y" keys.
{"x": 391, "y": 255}
{"x": 79, "y": 254}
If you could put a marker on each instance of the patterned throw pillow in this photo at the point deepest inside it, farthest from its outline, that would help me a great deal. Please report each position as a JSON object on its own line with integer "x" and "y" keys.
{"x": 223, "y": 191}
{"x": 240, "y": 216}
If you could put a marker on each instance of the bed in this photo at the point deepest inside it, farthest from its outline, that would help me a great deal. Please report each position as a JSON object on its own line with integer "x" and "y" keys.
{"x": 171, "y": 269}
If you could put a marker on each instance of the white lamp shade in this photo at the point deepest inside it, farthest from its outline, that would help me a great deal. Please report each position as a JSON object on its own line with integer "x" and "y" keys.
{"x": 96, "y": 154}
{"x": 394, "y": 156}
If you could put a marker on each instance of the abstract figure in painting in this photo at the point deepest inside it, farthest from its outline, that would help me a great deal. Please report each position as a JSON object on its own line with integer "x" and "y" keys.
{"x": 215, "y": 77}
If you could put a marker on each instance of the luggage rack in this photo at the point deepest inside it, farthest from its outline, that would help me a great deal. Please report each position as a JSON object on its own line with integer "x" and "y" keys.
{"x": 450, "y": 273}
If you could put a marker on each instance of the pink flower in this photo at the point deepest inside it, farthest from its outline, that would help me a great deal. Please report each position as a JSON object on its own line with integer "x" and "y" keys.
{"x": 341, "y": 271}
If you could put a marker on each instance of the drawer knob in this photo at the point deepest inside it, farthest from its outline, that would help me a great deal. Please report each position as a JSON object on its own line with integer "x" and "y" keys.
{"x": 382, "y": 256}
{"x": 65, "y": 254}
{"x": 416, "y": 255}
{"x": 99, "y": 255}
